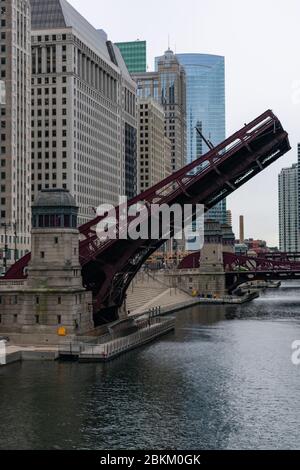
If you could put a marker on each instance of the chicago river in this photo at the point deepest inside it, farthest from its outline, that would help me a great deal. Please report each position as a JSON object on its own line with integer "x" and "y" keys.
{"x": 223, "y": 380}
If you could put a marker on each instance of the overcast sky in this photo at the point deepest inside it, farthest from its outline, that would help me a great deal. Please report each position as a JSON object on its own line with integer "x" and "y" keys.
{"x": 260, "y": 40}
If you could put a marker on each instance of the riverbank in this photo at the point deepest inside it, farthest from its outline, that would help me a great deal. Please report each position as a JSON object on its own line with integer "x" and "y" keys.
{"x": 124, "y": 336}
{"x": 15, "y": 354}
{"x": 193, "y": 302}
{"x": 120, "y": 338}
{"x": 260, "y": 285}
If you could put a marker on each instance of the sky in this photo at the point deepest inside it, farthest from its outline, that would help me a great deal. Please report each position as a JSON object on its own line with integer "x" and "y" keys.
{"x": 260, "y": 40}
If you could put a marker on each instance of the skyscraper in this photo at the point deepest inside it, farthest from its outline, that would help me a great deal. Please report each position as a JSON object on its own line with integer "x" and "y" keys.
{"x": 298, "y": 147}
{"x": 84, "y": 124}
{"x": 167, "y": 86}
{"x": 205, "y": 92}
{"x": 15, "y": 89}
{"x": 289, "y": 239}
{"x": 135, "y": 55}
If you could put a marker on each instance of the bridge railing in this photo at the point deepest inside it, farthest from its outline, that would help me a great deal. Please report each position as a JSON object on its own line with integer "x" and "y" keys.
{"x": 120, "y": 345}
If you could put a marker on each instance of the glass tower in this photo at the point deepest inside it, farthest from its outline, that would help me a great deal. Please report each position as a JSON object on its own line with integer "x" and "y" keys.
{"x": 205, "y": 88}
{"x": 135, "y": 55}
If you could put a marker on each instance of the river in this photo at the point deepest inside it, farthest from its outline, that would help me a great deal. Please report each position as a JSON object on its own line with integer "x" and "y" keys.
{"x": 223, "y": 380}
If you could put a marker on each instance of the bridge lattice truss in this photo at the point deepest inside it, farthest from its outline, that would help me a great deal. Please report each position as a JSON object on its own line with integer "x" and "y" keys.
{"x": 235, "y": 263}
{"x": 109, "y": 267}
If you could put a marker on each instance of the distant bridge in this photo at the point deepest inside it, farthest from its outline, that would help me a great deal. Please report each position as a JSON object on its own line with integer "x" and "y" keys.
{"x": 240, "y": 269}
{"x": 108, "y": 268}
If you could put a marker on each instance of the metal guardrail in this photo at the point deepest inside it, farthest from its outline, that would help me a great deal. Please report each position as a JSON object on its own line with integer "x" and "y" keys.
{"x": 120, "y": 345}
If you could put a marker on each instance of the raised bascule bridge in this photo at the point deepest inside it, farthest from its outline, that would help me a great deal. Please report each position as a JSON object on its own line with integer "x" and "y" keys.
{"x": 109, "y": 267}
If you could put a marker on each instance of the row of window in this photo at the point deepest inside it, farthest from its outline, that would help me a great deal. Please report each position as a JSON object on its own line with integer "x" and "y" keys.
{"x": 37, "y": 319}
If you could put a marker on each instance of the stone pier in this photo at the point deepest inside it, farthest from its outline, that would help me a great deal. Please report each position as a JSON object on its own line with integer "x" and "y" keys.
{"x": 208, "y": 279}
{"x": 50, "y": 304}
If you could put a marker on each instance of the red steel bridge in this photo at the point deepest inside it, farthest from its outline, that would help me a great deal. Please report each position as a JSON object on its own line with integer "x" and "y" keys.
{"x": 240, "y": 269}
{"x": 108, "y": 267}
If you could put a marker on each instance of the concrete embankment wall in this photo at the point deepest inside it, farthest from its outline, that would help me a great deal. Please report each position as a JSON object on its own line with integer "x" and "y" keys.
{"x": 149, "y": 291}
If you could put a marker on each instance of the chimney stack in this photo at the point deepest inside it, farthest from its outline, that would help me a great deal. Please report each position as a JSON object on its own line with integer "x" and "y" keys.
{"x": 242, "y": 229}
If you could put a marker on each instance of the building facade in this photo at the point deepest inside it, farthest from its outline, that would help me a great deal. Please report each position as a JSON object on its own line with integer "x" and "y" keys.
{"x": 167, "y": 86}
{"x": 289, "y": 240}
{"x": 205, "y": 96}
{"x": 154, "y": 149}
{"x": 84, "y": 125}
{"x": 135, "y": 55}
{"x": 15, "y": 76}
{"x": 298, "y": 148}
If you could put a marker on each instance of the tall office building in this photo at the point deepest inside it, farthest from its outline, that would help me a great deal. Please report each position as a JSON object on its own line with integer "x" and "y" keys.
{"x": 135, "y": 55}
{"x": 154, "y": 149}
{"x": 15, "y": 89}
{"x": 167, "y": 86}
{"x": 205, "y": 91}
{"x": 84, "y": 125}
{"x": 289, "y": 239}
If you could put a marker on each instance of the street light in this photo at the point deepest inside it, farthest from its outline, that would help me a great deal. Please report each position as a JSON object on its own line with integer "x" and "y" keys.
{"x": 15, "y": 240}
{"x": 6, "y": 226}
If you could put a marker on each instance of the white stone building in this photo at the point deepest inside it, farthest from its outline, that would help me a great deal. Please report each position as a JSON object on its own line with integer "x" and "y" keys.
{"x": 289, "y": 239}
{"x": 154, "y": 149}
{"x": 83, "y": 110}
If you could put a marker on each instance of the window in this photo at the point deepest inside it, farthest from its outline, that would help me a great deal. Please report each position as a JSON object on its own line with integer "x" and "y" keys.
{"x": 59, "y": 319}
{"x": 56, "y": 240}
{"x": 59, "y": 300}
{"x": 37, "y": 319}
{"x": 42, "y": 255}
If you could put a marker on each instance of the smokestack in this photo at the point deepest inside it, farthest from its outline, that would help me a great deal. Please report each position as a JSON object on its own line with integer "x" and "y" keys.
{"x": 242, "y": 229}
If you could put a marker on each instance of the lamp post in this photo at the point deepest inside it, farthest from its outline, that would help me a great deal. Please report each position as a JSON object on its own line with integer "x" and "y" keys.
{"x": 15, "y": 240}
{"x": 6, "y": 226}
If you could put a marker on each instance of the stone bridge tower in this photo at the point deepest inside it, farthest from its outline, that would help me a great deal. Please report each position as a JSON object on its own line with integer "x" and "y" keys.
{"x": 212, "y": 275}
{"x": 52, "y": 299}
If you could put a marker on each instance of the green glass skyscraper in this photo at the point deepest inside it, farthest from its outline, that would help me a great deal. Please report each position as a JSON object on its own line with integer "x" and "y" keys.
{"x": 135, "y": 55}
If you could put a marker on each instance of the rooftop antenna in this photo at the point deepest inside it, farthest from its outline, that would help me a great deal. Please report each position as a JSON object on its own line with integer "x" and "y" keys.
{"x": 168, "y": 42}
